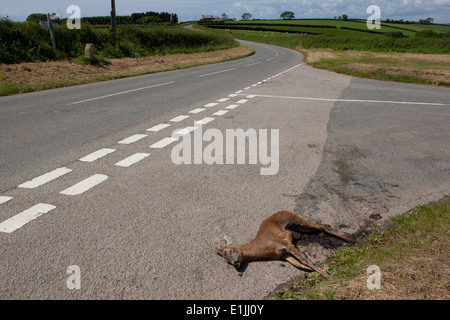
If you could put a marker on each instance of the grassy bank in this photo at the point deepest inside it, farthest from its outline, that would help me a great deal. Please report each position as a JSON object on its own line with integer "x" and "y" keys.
{"x": 410, "y": 53}
{"x": 412, "y": 255}
{"x": 34, "y": 76}
{"x": 28, "y": 42}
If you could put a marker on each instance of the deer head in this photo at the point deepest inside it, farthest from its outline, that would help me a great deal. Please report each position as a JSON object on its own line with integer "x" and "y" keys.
{"x": 230, "y": 253}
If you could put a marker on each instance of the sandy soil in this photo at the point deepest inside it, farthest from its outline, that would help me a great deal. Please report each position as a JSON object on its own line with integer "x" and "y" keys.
{"x": 61, "y": 73}
{"x": 435, "y": 68}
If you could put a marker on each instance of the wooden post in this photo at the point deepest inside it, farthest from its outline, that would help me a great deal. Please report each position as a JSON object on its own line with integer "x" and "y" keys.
{"x": 113, "y": 22}
{"x": 52, "y": 35}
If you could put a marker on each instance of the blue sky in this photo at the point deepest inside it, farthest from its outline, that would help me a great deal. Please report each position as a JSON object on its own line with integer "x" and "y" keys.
{"x": 260, "y": 9}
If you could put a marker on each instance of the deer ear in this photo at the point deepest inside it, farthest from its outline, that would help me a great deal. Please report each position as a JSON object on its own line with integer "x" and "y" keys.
{"x": 219, "y": 251}
{"x": 227, "y": 239}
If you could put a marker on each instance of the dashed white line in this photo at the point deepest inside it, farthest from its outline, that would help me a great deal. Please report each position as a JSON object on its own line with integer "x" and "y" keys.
{"x": 223, "y": 99}
{"x": 184, "y": 131}
{"x": 212, "y": 73}
{"x": 232, "y": 106}
{"x": 210, "y": 105}
{"x": 4, "y": 199}
{"x": 162, "y": 143}
{"x": 85, "y": 185}
{"x": 47, "y": 177}
{"x": 123, "y": 92}
{"x": 97, "y": 155}
{"x": 198, "y": 110}
{"x": 133, "y": 139}
{"x": 220, "y": 113}
{"x": 21, "y": 219}
{"x": 179, "y": 118}
{"x": 242, "y": 101}
{"x": 158, "y": 127}
{"x": 135, "y": 158}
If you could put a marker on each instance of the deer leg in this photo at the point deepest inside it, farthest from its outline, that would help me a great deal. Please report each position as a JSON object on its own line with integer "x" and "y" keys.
{"x": 293, "y": 250}
{"x": 297, "y": 264}
{"x": 304, "y": 226}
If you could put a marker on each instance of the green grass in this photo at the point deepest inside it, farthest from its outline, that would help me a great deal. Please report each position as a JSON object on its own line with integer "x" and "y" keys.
{"x": 422, "y": 232}
{"x": 342, "y": 35}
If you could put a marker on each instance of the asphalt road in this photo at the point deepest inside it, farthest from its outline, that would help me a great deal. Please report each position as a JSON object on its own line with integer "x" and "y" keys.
{"x": 352, "y": 152}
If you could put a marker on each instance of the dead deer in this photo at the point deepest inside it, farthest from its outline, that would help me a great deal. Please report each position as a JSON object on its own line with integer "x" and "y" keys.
{"x": 275, "y": 241}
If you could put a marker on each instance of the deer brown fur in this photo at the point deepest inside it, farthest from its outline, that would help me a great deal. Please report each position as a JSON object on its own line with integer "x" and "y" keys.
{"x": 275, "y": 241}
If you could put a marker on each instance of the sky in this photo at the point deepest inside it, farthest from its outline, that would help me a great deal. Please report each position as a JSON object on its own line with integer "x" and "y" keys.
{"x": 188, "y": 10}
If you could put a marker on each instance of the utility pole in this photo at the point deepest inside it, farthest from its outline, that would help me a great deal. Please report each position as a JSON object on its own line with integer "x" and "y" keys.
{"x": 113, "y": 22}
{"x": 52, "y": 32}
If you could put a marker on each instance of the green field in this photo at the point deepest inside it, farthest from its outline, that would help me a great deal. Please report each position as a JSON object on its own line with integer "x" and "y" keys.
{"x": 342, "y": 35}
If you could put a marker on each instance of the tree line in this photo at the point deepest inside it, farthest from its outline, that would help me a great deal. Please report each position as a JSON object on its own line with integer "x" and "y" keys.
{"x": 135, "y": 18}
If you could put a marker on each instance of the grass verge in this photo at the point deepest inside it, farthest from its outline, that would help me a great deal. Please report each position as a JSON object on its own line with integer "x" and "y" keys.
{"x": 412, "y": 255}
{"x": 429, "y": 69}
{"x": 35, "y": 76}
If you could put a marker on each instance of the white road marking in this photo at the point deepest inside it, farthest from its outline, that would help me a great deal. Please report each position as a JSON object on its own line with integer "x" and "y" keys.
{"x": 220, "y": 113}
{"x": 135, "y": 158}
{"x": 133, "y": 139}
{"x": 123, "y": 92}
{"x": 239, "y": 91}
{"x": 97, "y": 155}
{"x": 162, "y": 143}
{"x": 85, "y": 185}
{"x": 242, "y": 101}
{"x": 179, "y": 118}
{"x": 185, "y": 131}
{"x": 232, "y": 106}
{"x": 158, "y": 127}
{"x": 47, "y": 177}
{"x": 21, "y": 219}
{"x": 204, "y": 120}
{"x": 4, "y": 199}
{"x": 251, "y": 96}
{"x": 210, "y": 74}
{"x": 351, "y": 100}
{"x": 210, "y": 105}
{"x": 198, "y": 110}
{"x": 253, "y": 64}
{"x": 247, "y": 88}
{"x": 223, "y": 99}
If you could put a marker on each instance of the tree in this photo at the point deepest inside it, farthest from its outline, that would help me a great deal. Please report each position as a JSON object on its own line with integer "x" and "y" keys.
{"x": 246, "y": 16}
{"x": 35, "y": 17}
{"x": 224, "y": 17}
{"x": 287, "y": 15}
{"x": 345, "y": 17}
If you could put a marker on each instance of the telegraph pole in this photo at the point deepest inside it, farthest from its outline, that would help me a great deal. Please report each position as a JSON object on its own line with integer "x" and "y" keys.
{"x": 113, "y": 22}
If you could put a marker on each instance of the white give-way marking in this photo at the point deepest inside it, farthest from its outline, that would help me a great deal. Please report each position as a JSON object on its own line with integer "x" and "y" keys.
{"x": 85, "y": 185}
{"x": 41, "y": 180}
{"x": 19, "y": 220}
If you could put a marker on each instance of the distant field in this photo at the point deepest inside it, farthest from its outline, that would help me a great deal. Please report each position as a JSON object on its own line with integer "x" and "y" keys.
{"x": 338, "y": 24}
{"x": 342, "y": 35}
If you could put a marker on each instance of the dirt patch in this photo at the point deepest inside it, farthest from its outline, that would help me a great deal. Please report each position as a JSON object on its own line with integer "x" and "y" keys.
{"x": 32, "y": 76}
{"x": 431, "y": 69}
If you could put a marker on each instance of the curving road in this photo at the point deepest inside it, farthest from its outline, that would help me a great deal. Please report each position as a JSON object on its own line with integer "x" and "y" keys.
{"x": 88, "y": 182}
